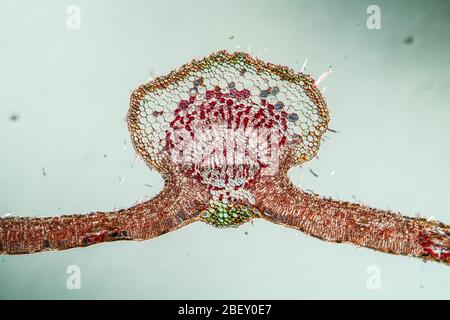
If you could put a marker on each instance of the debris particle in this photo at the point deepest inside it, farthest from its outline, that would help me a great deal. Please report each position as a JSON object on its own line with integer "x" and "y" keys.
{"x": 409, "y": 40}
{"x": 43, "y": 172}
{"x": 231, "y": 37}
{"x": 105, "y": 156}
{"x": 14, "y": 117}
{"x": 313, "y": 173}
{"x": 246, "y": 233}
{"x": 148, "y": 185}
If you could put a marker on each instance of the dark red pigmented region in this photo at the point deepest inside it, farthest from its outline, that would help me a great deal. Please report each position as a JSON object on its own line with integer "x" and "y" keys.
{"x": 438, "y": 251}
{"x": 104, "y": 235}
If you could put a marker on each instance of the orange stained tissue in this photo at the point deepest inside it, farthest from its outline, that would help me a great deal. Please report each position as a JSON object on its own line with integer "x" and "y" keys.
{"x": 223, "y": 132}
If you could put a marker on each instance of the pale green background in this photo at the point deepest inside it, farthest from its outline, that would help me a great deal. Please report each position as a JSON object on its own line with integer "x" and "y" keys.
{"x": 388, "y": 99}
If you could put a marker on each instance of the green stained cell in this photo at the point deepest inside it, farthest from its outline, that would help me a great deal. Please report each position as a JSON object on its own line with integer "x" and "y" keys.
{"x": 230, "y": 215}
